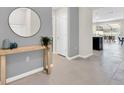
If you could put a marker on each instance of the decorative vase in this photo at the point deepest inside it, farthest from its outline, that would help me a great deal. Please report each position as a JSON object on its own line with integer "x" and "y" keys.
{"x": 13, "y": 45}
{"x": 6, "y": 44}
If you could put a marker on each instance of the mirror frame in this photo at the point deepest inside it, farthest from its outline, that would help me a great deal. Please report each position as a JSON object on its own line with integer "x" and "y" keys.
{"x": 34, "y": 12}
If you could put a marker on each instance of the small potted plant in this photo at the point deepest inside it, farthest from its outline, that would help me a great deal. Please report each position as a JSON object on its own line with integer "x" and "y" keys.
{"x": 45, "y": 41}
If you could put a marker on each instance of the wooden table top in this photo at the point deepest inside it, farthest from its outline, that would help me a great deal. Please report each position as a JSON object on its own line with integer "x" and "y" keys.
{"x": 21, "y": 49}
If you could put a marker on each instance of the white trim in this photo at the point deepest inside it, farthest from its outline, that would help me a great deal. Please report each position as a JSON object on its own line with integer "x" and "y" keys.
{"x": 54, "y": 31}
{"x": 86, "y": 56}
{"x": 11, "y": 79}
{"x": 71, "y": 58}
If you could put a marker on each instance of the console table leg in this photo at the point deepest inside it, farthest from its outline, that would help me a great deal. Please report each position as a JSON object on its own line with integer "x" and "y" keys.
{"x": 44, "y": 59}
{"x": 3, "y": 69}
{"x": 48, "y": 61}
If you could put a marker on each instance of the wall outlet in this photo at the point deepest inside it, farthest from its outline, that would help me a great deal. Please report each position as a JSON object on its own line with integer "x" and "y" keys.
{"x": 27, "y": 59}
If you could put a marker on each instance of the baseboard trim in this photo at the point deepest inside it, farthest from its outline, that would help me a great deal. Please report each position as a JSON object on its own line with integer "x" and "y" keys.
{"x": 89, "y": 55}
{"x": 24, "y": 75}
{"x": 71, "y": 58}
{"x": 84, "y": 57}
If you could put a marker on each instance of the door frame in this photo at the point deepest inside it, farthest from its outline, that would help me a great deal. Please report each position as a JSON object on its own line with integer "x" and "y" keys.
{"x": 54, "y": 30}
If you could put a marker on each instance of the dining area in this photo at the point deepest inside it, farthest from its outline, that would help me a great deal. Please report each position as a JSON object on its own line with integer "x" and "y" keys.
{"x": 109, "y": 38}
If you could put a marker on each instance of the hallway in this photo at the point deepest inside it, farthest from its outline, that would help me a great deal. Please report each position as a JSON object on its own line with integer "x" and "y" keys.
{"x": 104, "y": 67}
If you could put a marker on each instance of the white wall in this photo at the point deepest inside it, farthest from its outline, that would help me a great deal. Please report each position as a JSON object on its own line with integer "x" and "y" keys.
{"x": 85, "y": 32}
{"x": 122, "y": 28}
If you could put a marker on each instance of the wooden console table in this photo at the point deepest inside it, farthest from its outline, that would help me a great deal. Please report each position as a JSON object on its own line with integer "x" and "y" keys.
{"x": 4, "y": 53}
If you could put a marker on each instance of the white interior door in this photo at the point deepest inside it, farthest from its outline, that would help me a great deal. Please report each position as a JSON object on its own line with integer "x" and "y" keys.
{"x": 61, "y": 31}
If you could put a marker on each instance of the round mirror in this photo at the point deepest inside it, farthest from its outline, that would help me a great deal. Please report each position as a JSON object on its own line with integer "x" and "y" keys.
{"x": 24, "y": 22}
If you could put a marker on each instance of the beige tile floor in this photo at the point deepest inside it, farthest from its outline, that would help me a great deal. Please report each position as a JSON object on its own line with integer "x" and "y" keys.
{"x": 104, "y": 67}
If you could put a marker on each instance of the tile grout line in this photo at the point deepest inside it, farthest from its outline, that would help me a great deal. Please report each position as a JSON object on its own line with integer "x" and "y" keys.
{"x": 115, "y": 72}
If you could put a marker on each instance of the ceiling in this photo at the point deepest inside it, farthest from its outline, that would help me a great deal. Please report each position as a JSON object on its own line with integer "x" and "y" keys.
{"x": 107, "y": 14}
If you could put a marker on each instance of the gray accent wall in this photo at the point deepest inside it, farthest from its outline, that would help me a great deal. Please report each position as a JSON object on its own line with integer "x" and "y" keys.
{"x": 73, "y": 31}
{"x": 17, "y": 63}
